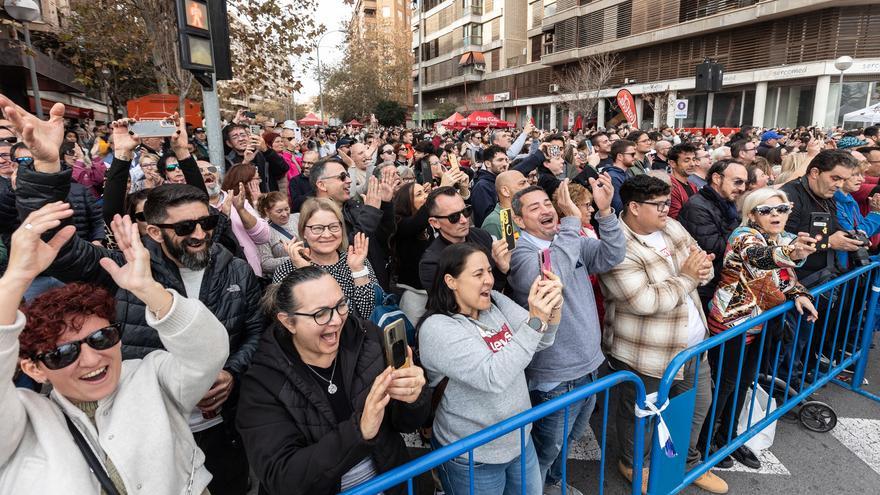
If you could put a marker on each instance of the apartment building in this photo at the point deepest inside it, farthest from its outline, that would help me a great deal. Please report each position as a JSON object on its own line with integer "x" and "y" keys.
{"x": 386, "y": 24}
{"x": 778, "y": 57}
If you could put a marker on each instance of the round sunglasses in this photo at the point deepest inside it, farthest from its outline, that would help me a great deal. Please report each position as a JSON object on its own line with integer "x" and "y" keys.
{"x": 66, "y": 354}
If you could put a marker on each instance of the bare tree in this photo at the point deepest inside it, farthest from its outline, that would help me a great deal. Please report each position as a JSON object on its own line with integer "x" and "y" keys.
{"x": 579, "y": 84}
{"x": 658, "y": 101}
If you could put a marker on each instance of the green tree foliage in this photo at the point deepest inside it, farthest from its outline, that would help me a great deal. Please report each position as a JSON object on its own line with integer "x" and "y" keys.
{"x": 390, "y": 113}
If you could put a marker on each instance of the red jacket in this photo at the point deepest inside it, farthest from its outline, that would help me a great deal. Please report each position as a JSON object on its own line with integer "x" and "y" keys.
{"x": 679, "y": 195}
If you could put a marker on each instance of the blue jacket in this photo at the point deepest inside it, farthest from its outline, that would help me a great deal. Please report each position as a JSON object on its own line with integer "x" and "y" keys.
{"x": 483, "y": 195}
{"x": 849, "y": 216}
{"x": 618, "y": 177}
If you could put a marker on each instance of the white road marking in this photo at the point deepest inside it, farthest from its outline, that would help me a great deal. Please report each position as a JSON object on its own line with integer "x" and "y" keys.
{"x": 769, "y": 465}
{"x": 862, "y": 437}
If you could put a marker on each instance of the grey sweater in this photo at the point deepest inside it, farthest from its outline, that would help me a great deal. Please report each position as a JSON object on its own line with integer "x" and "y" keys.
{"x": 484, "y": 361}
{"x": 574, "y": 258}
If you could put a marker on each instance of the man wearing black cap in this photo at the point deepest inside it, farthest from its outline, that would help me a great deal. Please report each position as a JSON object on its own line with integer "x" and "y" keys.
{"x": 200, "y": 140}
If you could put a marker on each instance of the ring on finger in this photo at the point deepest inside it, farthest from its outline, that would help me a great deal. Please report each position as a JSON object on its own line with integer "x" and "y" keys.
{"x": 28, "y": 226}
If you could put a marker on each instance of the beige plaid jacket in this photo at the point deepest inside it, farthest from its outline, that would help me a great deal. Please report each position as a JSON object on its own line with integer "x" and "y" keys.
{"x": 646, "y": 316}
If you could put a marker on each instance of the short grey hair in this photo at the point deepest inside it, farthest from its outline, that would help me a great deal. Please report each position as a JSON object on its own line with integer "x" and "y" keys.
{"x": 516, "y": 204}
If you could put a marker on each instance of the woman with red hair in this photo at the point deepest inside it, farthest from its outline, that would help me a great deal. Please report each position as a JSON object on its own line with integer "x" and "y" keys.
{"x": 108, "y": 426}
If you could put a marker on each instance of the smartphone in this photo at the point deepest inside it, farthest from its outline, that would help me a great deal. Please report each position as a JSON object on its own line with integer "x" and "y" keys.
{"x": 153, "y": 128}
{"x": 250, "y": 115}
{"x": 554, "y": 151}
{"x": 820, "y": 225}
{"x": 256, "y": 130}
{"x": 394, "y": 342}
{"x": 507, "y": 228}
{"x": 302, "y": 252}
{"x": 544, "y": 258}
{"x": 589, "y": 145}
{"x": 297, "y": 134}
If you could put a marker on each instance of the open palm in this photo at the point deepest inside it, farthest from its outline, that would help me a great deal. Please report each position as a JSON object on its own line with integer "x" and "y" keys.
{"x": 42, "y": 137}
{"x": 135, "y": 275}
{"x": 29, "y": 255}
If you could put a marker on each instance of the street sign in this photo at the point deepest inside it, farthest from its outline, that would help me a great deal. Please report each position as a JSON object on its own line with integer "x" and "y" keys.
{"x": 196, "y": 50}
{"x": 681, "y": 109}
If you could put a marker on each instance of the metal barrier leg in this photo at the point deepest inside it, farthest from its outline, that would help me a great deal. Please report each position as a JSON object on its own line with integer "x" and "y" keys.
{"x": 867, "y": 334}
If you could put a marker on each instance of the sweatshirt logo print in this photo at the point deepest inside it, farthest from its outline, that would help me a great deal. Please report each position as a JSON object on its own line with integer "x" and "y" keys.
{"x": 499, "y": 339}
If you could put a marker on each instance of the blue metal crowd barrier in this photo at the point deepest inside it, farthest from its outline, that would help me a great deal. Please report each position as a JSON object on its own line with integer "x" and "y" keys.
{"x": 843, "y": 297}
{"x": 423, "y": 464}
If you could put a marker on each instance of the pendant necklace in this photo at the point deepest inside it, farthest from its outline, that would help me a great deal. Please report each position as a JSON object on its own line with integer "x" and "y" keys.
{"x": 331, "y": 389}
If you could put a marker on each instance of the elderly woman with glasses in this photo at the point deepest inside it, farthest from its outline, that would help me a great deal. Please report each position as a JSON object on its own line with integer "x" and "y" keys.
{"x": 757, "y": 274}
{"x": 323, "y": 242}
{"x": 108, "y": 426}
{"x": 321, "y": 411}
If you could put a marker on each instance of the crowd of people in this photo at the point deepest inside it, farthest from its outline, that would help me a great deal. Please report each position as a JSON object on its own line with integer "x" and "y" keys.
{"x": 203, "y": 328}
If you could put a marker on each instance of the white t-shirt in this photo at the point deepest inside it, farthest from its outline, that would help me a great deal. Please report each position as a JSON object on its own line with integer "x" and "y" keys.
{"x": 696, "y": 328}
{"x": 192, "y": 281}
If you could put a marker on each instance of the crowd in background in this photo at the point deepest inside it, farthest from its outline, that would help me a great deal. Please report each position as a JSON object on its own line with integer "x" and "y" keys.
{"x": 214, "y": 326}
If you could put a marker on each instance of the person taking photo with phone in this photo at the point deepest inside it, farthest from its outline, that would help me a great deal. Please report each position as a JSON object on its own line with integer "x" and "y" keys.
{"x": 475, "y": 344}
{"x": 321, "y": 411}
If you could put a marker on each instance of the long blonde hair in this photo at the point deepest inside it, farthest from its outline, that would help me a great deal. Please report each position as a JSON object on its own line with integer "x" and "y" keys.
{"x": 794, "y": 166}
{"x": 314, "y": 205}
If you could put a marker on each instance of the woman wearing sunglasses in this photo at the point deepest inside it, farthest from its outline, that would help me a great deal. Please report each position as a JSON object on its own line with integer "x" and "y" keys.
{"x": 320, "y": 410}
{"x": 169, "y": 168}
{"x": 757, "y": 274}
{"x": 107, "y": 426}
{"x": 323, "y": 242}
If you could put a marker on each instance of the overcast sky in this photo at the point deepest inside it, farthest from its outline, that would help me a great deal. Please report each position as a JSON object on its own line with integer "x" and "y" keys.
{"x": 332, "y": 13}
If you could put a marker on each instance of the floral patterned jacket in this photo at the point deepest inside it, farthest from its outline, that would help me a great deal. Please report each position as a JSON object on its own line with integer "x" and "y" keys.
{"x": 756, "y": 272}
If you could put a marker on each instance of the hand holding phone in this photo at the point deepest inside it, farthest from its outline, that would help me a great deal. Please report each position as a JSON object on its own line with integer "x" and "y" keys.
{"x": 820, "y": 225}
{"x": 544, "y": 259}
{"x": 504, "y": 217}
{"x": 394, "y": 343}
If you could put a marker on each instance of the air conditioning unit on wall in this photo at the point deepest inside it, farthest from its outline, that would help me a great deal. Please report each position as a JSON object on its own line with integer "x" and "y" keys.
{"x": 554, "y": 88}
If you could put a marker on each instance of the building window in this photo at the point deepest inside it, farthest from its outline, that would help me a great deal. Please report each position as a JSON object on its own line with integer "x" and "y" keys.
{"x": 386, "y": 11}
{"x": 473, "y": 34}
{"x": 369, "y": 12}
{"x": 474, "y": 7}
{"x": 547, "y": 43}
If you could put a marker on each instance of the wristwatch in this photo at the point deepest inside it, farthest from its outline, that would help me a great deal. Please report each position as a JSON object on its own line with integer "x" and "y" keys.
{"x": 537, "y": 324}
{"x": 364, "y": 272}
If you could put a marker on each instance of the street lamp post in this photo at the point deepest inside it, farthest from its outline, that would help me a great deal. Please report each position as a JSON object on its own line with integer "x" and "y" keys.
{"x": 418, "y": 6}
{"x": 842, "y": 64}
{"x": 26, "y": 11}
{"x": 320, "y": 75}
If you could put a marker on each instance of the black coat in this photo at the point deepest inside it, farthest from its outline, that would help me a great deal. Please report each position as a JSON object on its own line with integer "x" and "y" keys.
{"x": 821, "y": 265}
{"x": 710, "y": 220}
{"x": 431, "y": 258}
{"x": 378, "y": 224}
{"x": 229, "y": 287}
{"x": 299, "y": 189}
{"x": 270, "y": 165}
{"x": 293, "y": 440}
{"x": 87, "y": 216}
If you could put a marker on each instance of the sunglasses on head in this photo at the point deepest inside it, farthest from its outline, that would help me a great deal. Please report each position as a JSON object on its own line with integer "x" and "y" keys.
{"x": 187, "y": 227}
{"x": 456, "y": 217}
{"x": 765, "y": 210}
{"x": 25, "y": 160}
{"x": 66, "y": 354}
{"x": 171, "y": 167}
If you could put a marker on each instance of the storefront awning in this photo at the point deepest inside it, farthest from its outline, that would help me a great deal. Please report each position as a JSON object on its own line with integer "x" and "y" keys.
{"x": 70, "y": 111}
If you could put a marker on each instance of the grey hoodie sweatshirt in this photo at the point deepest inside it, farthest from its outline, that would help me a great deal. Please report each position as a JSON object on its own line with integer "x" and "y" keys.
{"x": 484, "y": 361}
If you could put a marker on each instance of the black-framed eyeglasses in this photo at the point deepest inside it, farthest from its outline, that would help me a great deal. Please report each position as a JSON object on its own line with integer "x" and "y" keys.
{"x": 765, "y": 210}
{"x": 456, "y": 217}
{"x": 324, "y": 315}
{"x": 661, "y": 205}
{"x": 738, "y": 182}
{"x": 187, "y": 227}
{"x": 171, "y": 167}
{"x": 342, "y": 176}
{"x": 318, "y": 229}
{"x": 291, "y": 138}
{"x": 25, "y": 160}
{"x": 9, "y": 140}
{"x": 6, "y": 156}
{"x": 66, "y": 354}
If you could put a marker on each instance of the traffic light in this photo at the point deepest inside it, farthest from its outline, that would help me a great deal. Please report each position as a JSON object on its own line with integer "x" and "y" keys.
{"x": 204, "y": 38}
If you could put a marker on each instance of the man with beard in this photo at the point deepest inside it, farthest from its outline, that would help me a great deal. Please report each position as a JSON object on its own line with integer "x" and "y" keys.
{"x": 183, "y": 258}
{"x": 300, "y": 188}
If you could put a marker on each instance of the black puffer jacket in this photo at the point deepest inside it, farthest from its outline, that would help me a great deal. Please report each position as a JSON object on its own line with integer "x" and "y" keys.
{"x": 293, "y": 440}
{"x": 86, "y": 212}
{"x": 377, "y": 224}
{"x": 710, "y": 220}
{"x": 87, "y": 216}
{"x": 229, "y": 287}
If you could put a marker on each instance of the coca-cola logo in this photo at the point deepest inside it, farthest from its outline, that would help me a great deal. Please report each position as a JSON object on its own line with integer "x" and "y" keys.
{"x": 627, "y": 105}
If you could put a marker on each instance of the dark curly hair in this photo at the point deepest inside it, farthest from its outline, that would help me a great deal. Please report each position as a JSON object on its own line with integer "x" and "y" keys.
{"x": 62, "y": 310}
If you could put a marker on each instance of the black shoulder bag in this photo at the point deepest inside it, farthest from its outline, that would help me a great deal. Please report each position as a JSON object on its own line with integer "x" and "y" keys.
{"x": 94, "y": 464}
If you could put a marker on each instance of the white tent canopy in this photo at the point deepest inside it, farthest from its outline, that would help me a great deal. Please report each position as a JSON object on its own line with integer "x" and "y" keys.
{"x": 869, "y": 114}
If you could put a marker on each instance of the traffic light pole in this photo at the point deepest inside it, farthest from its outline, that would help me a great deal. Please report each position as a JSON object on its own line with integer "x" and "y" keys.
{"x": 212, "y": 124}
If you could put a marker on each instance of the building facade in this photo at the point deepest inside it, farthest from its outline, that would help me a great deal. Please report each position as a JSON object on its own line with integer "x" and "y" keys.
{"x": 383, "y": 27}
{"x": 778, "y": 57}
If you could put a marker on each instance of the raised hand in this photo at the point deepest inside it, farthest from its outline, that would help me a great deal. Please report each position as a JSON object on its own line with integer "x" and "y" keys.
{"x": 566, "y": 205}
{"x": 136, "y": 275}
{"x": 42, "y": 137}
{"x": 124, "y": 140}
{"x": 298, "y": 253}
{"x": 390, "y": 182}
{"x": 180, "y": 140}
{"x": 802, "y": 247}
{"x": 603, "y": 193}
{"x": 357, "y": 252}
{"x": 373, "y": 197}
{"x": 29, "y": 255}
{"x": 406, "y": 383}
{"x": 374, "y": 405}
{"x": 501, "y": 255}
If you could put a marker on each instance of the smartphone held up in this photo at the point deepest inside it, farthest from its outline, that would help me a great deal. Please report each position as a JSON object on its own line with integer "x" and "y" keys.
{"x": 394, "y": 343}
